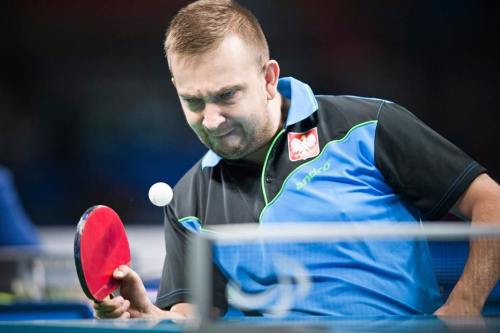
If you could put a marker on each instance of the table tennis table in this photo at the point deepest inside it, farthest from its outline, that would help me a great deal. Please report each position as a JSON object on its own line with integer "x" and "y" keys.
{"x": 415, "y": 324}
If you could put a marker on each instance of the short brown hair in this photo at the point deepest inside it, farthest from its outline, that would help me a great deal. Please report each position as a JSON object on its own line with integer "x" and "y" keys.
{"x": 202, "y": 25}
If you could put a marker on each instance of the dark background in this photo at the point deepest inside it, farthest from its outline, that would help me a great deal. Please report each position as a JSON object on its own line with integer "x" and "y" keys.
{"x": 88, "y": 114}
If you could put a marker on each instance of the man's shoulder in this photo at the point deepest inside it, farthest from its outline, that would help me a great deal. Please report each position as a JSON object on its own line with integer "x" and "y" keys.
{"x": 351, "y": 106}
{"x": 339, "y": 114}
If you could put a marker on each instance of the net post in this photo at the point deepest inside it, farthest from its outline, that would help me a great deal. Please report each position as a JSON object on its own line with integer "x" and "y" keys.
{"x": 200, "y": 279}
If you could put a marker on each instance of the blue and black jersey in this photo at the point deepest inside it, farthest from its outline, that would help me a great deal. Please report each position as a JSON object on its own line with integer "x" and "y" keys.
{"x": 336, "y": 159}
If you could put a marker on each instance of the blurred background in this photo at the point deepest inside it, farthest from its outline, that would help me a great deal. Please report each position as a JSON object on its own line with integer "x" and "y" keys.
{"x": 88, "y": 114}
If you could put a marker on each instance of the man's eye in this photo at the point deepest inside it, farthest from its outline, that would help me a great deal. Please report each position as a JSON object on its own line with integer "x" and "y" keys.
{"x": 226, "y": 96}
{"x": 195, "y": 104}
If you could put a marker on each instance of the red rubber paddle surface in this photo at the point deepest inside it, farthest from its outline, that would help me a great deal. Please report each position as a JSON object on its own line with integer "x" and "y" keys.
{"x": 101, "y": 245}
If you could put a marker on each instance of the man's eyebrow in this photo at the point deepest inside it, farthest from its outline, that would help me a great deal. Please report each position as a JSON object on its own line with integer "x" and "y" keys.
{"x": 236, "y": 87}
{"x": 187, "y": 96}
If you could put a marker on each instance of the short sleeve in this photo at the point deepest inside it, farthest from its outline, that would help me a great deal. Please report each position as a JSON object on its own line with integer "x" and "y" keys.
{"x": 425, "y": 169}
{"x": 174, "y": 281}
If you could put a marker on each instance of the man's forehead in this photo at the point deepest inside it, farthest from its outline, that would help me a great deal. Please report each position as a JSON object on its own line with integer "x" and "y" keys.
{"x": 230, "y": 43}
{"x": 196, "y": 81}
{"x": 231, "y": 55}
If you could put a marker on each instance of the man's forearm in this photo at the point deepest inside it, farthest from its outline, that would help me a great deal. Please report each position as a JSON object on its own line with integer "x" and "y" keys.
{"x": 482, "y": 269}
{"x": 185, "y": 310}
{"x": 481, "y": 273}
{"x": 178, "y": 311}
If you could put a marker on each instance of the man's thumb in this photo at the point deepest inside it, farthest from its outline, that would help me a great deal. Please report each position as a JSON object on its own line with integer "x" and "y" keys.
{"x": 121, "y": 272}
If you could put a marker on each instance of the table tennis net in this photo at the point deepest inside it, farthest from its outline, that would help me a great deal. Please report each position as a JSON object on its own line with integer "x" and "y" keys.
{"x": 313, "y": 269}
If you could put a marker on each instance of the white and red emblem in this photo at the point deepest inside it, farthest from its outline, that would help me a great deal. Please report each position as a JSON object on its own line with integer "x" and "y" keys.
{"x": 302, "y": 146}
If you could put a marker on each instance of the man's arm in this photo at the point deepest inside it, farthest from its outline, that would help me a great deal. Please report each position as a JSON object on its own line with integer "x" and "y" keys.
{"x": 480, "y": 203}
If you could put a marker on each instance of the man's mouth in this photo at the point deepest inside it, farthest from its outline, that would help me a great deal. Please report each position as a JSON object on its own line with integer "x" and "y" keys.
{"x": 221, "y": 134}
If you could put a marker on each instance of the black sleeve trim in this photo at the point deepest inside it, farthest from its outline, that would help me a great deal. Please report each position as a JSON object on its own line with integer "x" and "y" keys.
{"x": 458, "y": 187}
{"x": 177, "y": 296}
{"x": 183, "y": 295}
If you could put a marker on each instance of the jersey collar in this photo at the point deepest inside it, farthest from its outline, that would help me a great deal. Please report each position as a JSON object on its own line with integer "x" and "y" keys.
{"x": 302, "y": 100}
{"x": 302, "y": 105}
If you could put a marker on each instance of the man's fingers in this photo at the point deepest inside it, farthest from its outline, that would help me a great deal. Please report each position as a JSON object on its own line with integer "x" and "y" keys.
{"x": 113, "y": 309}
{"x": 119, "y": 312}
{"x": 109, "y": 304}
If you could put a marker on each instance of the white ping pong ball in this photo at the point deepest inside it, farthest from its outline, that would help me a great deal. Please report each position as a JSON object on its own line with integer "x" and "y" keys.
{"x": 160, "y": 194}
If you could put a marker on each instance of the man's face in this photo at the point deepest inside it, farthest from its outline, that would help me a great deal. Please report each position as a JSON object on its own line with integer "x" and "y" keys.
{"x": 224, "y": 98}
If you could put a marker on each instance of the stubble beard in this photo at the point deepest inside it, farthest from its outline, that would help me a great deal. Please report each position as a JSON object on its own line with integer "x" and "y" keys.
{"x": 230, "y": 153}
{"x": 248, "y": 144}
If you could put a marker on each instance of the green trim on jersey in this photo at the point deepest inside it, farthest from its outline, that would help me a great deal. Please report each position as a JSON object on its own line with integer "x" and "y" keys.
{"x": 262, "y": 177}
{"x": 189, "y": 218}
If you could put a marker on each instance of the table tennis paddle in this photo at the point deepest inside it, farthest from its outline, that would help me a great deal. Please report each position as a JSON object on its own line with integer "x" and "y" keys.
{"x": 101, "y": 246}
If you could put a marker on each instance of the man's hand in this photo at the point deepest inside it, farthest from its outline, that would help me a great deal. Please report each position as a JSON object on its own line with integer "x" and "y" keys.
{"x": 133, "y": 302}
{"x": 458, "y": 309}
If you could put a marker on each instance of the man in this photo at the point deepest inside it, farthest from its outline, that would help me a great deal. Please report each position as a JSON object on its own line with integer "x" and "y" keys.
{"x": 279, "y": 153}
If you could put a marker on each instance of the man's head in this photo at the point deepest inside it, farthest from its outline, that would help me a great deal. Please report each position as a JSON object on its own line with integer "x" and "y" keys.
{"x": 219, "y": 60}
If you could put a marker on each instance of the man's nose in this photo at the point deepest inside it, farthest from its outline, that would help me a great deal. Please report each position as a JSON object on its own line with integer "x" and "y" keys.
{"x": 212, "y": 116}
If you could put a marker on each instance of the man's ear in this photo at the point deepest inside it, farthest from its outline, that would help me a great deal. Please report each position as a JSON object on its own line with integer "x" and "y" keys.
{"x": 173, "y": 80}
{"x": 271, "y": 76}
